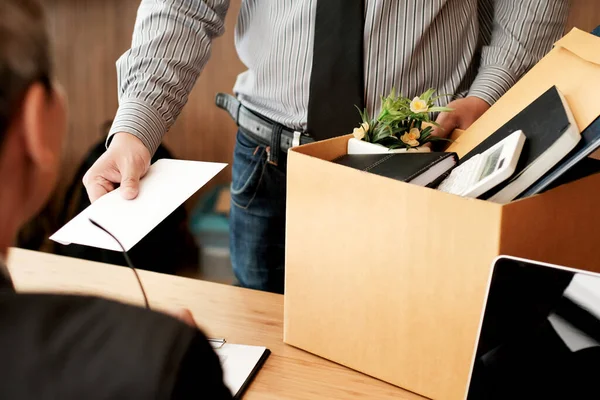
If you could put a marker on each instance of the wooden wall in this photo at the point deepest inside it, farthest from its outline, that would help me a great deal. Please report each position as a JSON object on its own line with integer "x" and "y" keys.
{"x": 584, "y": 14}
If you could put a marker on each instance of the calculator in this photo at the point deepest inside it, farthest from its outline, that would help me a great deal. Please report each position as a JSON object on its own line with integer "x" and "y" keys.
{"x": 486, "y": 170}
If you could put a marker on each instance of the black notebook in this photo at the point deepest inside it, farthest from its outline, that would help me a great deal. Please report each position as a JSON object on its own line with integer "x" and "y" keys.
{"x": 590, "y": 142}
{"x": 423, "y": 169}
{"x": 551, "y": 133}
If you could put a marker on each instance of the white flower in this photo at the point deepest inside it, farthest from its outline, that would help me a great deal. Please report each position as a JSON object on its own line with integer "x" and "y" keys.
{"x": 360, "y": 132}
{"x": 418, "y": 106}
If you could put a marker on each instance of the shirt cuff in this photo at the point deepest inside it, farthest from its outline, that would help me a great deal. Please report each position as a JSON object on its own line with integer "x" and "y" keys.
{"x": 491, "y": 83}
{"x": 142, "y": 121}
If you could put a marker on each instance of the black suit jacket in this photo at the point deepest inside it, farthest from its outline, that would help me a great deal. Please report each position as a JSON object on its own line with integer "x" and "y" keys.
{"x": 76, "y": 347}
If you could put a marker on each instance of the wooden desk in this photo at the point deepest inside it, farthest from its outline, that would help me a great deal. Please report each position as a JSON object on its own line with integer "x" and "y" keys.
{"x": 239, "y": 315}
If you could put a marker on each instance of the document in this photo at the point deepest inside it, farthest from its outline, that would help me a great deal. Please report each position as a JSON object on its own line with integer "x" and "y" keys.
{"x": 240, "y": 364}
{"x": 165, "y": 187}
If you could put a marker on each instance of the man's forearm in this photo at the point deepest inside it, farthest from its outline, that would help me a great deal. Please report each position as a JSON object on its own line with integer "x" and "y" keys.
{"x": 171, "y": 44}
{"x": 524, "y": 31}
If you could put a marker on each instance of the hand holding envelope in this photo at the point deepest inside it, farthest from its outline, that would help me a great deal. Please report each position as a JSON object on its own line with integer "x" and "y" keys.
{"x": 165, "y": 187}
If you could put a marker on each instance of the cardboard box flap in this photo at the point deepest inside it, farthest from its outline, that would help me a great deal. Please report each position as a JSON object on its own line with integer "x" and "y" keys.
{"x": 573, "y": 66}
{"x": 582, "y": 44}
{"x": 334, "y": 148}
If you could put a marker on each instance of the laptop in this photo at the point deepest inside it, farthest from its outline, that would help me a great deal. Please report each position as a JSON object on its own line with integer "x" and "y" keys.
{"x": 539, "y": 337}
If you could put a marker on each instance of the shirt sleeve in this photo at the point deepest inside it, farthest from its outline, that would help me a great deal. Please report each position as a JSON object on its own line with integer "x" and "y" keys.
{"x": 170, "y": 47}
{"x": 522, "y": 33}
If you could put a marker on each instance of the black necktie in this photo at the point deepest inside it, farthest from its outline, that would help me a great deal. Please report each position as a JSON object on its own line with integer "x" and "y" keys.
{"x": 336, "y": 84}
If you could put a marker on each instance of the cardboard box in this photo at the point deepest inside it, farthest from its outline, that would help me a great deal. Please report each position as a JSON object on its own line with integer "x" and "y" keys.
{"x": 390, "y": 278}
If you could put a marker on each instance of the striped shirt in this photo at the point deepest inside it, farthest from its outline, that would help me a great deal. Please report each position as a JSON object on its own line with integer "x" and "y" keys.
{"x": 459, "y": 47}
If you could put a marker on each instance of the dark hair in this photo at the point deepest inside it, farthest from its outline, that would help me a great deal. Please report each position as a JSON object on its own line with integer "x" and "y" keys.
{"x": 24, "y": 54}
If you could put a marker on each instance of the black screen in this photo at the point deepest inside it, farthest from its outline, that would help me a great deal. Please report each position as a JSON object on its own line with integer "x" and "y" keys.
{"x": 540, "y": 336}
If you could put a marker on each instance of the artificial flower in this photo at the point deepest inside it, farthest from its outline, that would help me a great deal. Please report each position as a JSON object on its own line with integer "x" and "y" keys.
{"x": 412, "y": 137}
{"x": 359, "y": 133}
{"x": 419, "y": 106}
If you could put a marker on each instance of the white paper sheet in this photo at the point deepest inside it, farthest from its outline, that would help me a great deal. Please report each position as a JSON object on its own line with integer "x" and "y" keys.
{"x": 238, "y": 362}
{"x": 165, "y": 187}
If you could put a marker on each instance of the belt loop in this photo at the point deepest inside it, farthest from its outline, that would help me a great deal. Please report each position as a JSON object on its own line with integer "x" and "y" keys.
{"x": 296, "y": 139}
{"x": 237, "y": 114}
{"x": 275, "y": 147}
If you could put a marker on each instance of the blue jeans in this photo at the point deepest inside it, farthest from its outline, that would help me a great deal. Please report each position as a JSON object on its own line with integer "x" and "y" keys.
{"x": 257, "y": 218}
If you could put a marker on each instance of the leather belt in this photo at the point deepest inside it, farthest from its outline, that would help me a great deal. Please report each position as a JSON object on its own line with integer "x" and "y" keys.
{"x": 258, "y": 127}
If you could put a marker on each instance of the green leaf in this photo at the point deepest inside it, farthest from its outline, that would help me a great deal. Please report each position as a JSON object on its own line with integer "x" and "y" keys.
{"x": 388, "y": 141}
{"x": 438, "y": 139}
{"x": 400, "y": 131}
{"x": 426, "y": 131}
{"x": 364, "y": 115}
{"x": 399, "y": 145}
{"x": 441, "y": 109}
{"x": 381, "y": 132}
{"x": 427, "y": 95}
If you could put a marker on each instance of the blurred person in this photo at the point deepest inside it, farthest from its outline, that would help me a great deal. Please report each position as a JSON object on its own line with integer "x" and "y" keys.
{"x": 309, "y": 63}
{"x": 73, "y": 347}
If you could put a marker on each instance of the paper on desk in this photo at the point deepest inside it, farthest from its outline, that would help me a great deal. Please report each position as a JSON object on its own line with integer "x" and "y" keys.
{"x": 165, "y": 187}
{"x": 239, "y": 364}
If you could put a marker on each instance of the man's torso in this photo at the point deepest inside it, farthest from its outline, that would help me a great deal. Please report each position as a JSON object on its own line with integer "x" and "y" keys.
{"x": 408, "y": 45}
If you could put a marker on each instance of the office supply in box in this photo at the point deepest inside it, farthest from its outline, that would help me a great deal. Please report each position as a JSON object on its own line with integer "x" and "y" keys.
{"x": 422, "y": 169}
{"x": 486, "y": 170}
{"x": 590, "y": 142}
{"x": 551, "y": 132}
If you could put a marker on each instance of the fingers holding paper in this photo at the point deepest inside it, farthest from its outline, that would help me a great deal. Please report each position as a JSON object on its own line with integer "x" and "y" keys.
{"x": 125, "y": 162}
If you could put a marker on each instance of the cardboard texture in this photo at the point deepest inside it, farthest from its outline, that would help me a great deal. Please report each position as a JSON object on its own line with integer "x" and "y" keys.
{"x": 389, "y": 278}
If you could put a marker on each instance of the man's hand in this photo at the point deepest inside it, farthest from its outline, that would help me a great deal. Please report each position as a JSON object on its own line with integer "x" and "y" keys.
{"x": 466, "y": 111}
{"x": 125, "y": 162}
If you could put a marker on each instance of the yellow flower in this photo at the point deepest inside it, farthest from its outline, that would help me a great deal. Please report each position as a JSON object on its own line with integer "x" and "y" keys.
{"x": 360, "y": 132}
{"x": 418, "y": 106}
{"x": 412, "y": 137}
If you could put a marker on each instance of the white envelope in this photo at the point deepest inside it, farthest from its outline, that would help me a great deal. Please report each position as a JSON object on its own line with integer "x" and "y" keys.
{"x": 165, "y": 187}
